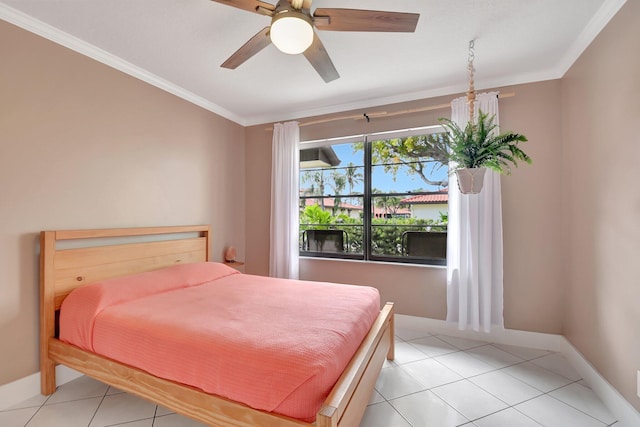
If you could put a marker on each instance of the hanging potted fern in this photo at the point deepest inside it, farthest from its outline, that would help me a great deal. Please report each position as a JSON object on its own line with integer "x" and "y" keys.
{"x": 474, "y": 149}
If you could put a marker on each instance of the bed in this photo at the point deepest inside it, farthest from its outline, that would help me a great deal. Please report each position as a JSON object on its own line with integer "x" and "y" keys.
{"x": 71, "y": 259}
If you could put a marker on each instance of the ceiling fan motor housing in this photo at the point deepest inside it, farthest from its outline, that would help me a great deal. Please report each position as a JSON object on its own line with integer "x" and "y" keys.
{"x": 291, "y": 29}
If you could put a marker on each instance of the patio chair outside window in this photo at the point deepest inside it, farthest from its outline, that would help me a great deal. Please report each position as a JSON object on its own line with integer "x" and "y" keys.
{"x": 424, "y": 244}
{"x": 324, "y": 240}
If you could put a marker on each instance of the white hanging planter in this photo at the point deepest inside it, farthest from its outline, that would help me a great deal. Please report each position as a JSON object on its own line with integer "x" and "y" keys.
{"x": 470, "y": 180}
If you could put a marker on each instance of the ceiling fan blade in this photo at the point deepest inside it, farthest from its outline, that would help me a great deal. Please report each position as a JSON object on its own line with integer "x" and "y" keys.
{"x": 250, "y": 48}
{"x": 365, "y": 20}
{"x": 250, "y": 5}
{"x": 317, "y": 55}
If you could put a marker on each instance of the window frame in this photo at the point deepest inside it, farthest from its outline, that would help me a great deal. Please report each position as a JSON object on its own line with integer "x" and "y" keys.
{"x": 368, "y": 195}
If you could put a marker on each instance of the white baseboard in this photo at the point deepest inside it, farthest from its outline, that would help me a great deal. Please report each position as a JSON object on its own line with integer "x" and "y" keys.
{"x": 624, "y": 412}
{"x": 25, "y": 388}
{"x": 538, "y": 340}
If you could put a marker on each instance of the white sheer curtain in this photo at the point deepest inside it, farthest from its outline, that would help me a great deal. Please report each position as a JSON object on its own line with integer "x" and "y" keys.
{"x": 285, "y": 163}
{"x": 474, "y": 242}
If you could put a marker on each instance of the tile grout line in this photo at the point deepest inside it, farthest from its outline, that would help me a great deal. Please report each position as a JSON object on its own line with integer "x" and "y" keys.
{"x": 98, "y": 407}
{"x": 522, "y": 413}
{"x": 571, "y": 406}
{"x": 502, "y": 410}
{"x": 421, "y": 391}
{"x": 155, "y": 413}
{"x": 40, "y": 407}
{"x": 37, "y": 410}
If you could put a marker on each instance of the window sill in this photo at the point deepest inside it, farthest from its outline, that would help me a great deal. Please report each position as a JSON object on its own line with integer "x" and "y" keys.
{"x": 363, "y": 262}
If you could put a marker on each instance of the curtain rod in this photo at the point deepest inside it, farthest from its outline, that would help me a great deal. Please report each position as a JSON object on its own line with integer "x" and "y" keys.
{"x": 372, "y": 115}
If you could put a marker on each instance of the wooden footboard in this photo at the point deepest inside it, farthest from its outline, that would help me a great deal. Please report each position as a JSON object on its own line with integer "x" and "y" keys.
{"x": 348, "y": 400}
{"x": 62, "y": 270}
{"x": 180, "y": 398}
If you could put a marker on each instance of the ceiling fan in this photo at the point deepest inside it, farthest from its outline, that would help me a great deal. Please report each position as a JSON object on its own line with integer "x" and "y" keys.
{"x": 291, "y": 29}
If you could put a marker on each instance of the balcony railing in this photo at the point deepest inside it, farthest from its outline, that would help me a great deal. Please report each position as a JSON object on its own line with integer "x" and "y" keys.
{"x": 420, "y": 243}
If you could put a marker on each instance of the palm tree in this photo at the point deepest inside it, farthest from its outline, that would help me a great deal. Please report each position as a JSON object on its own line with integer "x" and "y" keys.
{"x": 339, "y": 182}
{"x": 316, "y": 178}
{"x": 389, "y": 204}
{"x": 353, "y": 176}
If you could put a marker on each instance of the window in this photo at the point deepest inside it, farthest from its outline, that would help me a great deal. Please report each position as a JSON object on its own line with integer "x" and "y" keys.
{"x": 375, "y": 197}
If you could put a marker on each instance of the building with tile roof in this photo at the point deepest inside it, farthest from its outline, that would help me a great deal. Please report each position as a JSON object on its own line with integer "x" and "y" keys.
{"x": 428, "y": 206}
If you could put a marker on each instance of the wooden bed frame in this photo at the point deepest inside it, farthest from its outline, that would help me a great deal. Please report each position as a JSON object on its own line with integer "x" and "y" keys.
{"x": 62, "y": 270}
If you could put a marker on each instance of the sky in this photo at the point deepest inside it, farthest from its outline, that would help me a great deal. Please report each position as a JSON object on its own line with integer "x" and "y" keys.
{"x": 404, "y": 182}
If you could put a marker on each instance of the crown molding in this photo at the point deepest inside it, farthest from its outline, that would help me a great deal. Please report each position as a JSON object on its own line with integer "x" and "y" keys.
{"x": 602, "y": 17}
{"x": 55, "y": 35}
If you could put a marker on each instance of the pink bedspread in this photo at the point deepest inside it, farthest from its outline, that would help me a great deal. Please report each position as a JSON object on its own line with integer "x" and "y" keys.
{"x": 275, "y": 345}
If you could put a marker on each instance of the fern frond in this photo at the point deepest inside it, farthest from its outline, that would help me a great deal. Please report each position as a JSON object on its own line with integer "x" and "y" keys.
{"x": 477, "y": 146}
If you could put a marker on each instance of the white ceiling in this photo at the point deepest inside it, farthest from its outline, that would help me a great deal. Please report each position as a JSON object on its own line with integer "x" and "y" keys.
{"x": 178, "y": 45}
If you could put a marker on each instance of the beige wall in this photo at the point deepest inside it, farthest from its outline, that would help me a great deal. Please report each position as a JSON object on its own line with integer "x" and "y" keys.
{"x": 85, "y": 146}
{"x": 601, "y": 114}
{"x": 532, "y": 238}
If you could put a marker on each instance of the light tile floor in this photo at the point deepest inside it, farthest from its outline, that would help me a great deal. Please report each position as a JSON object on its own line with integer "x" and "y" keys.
{"x": 435, "y": 380}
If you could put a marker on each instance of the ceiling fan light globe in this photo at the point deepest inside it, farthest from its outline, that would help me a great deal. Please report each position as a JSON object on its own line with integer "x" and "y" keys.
{"x": 291, "y": 32}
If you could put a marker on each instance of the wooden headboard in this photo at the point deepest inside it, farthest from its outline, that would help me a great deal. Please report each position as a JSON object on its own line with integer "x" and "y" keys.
{"x": 63, "y": 270}
{"x": 104, "y": 253}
